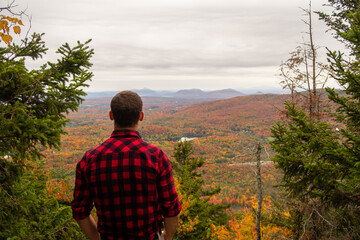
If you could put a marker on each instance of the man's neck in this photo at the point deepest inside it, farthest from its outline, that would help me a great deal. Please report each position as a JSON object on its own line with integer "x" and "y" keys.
{"x": 134, "y": 128}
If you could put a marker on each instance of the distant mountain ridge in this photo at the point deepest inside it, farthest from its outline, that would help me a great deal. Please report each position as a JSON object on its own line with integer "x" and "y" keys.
{"x": 184, "y": 94}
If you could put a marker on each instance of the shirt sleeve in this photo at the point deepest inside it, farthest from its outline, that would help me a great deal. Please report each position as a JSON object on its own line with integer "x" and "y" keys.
{"x": 168, "y": 198}
{"x": 82, "y": 203}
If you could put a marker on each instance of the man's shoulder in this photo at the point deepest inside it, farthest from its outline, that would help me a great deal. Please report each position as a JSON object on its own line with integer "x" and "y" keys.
{"x": 112, "y": 144}
{"x": 150, "y": 147}
{"x": 97, "y": 149}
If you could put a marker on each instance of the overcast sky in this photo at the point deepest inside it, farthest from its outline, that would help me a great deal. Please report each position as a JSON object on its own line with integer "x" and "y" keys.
{"x": 179, "y": 44}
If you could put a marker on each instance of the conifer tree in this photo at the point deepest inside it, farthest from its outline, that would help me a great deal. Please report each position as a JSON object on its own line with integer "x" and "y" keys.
{"x": 33, "y": 108}
{"x": 199, "y": 214}
{"x": 320, "y": 162}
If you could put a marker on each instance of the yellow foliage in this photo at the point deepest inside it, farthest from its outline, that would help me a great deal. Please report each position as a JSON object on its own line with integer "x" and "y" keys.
{"x": 5, "y": 23}
{"x": 189, "y": 225}
{"x": 6, "y": 38}
{"x": 16, "y": 29}
{"x": 287, "y": 214}
{"x": 219, "y": 232}
{"x": 266, "y": 204}
{"x": 244, "y": 229}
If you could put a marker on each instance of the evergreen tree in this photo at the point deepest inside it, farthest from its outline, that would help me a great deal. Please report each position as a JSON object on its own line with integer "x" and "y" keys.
{"x": 29, "y": 211}
{"x": 33, "y": 108}
{"x": 317, "y": 175}
{"x": 321, "y": 163}
{"x": 197, "y": 214}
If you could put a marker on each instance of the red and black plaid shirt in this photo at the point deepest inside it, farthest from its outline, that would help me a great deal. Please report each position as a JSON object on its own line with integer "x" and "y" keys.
{"x": 131, "y": 184}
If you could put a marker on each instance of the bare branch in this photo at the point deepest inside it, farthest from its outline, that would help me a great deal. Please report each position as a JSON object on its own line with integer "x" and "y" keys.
{"x": 267, "y": 153}
{"x": 303, "y": 72}
{"x": 328, "y": 222}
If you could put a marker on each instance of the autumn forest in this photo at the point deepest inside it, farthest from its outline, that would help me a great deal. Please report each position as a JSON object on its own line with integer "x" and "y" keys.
{"x": 223, "y": 133}
{"x": 260, "y": 166}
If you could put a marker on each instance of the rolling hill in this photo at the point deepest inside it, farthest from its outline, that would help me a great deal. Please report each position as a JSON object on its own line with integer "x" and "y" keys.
{"x": 220, "y": 130}
{"x": 181, "y": 94}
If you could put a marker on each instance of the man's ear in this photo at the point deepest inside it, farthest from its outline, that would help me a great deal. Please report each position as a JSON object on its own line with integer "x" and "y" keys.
{"x": 141, "y": 116}
{"x": 111, "y": 115}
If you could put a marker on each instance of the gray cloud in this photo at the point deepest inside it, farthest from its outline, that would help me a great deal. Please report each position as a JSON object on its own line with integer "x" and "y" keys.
{"x": 175, "y": 40}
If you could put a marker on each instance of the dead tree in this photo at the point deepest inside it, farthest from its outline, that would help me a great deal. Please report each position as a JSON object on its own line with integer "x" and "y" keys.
{"x": 259, "y": 192}
{"x": 256, "y": 151}
{"x": 304, "y": 75}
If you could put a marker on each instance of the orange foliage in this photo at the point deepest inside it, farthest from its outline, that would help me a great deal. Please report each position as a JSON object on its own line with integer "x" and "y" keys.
{"x": 244, "y": 229}
{"x": 6, "y": 24}
{"x": 60, "y": 189}
{"x": 220, "y": 232}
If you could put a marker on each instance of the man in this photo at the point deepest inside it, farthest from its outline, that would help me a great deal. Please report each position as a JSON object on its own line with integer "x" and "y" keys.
{"x": 128, "y": 180}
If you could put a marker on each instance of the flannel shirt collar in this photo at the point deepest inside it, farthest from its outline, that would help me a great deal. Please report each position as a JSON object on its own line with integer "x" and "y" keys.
{"x": 125, "y": 133}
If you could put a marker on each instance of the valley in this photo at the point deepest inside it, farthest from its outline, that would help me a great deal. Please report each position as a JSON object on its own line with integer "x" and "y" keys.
{"x": 222, "y": 132}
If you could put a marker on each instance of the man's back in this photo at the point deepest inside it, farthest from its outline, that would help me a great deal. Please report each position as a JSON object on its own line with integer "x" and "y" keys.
{"x": 130, "y": 183}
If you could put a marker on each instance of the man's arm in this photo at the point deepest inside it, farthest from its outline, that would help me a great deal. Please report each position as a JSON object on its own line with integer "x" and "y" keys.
{"x": 168, "y": 198}
{"x": 170, "y": 225}
{"x": 82, "y": 203}
{"x": 88, "y": 226}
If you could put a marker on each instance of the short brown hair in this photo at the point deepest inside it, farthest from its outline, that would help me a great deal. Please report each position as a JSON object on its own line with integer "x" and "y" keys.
{"x": 126, "y": 107}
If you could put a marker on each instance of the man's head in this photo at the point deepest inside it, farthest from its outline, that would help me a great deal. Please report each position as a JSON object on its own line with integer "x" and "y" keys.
{"x": 126, "y": 109}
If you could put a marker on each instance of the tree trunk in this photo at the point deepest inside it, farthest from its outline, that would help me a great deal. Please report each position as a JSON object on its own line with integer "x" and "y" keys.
{"x": 259, "y": 192}
{"x": 314, "y": 101}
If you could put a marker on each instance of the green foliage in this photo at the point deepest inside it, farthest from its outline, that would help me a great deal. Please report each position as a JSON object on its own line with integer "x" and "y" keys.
{"x": 321, "y": 164}
{"x": 29, "y": 211}
{"x": 33, "y": 109}
{"x": 186, "y": 169}
{"x": 311, "y": 157}
{"x": 33, "y": 103}
{"x": 345, "y": 22}
{"x": 319, "y": 174}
